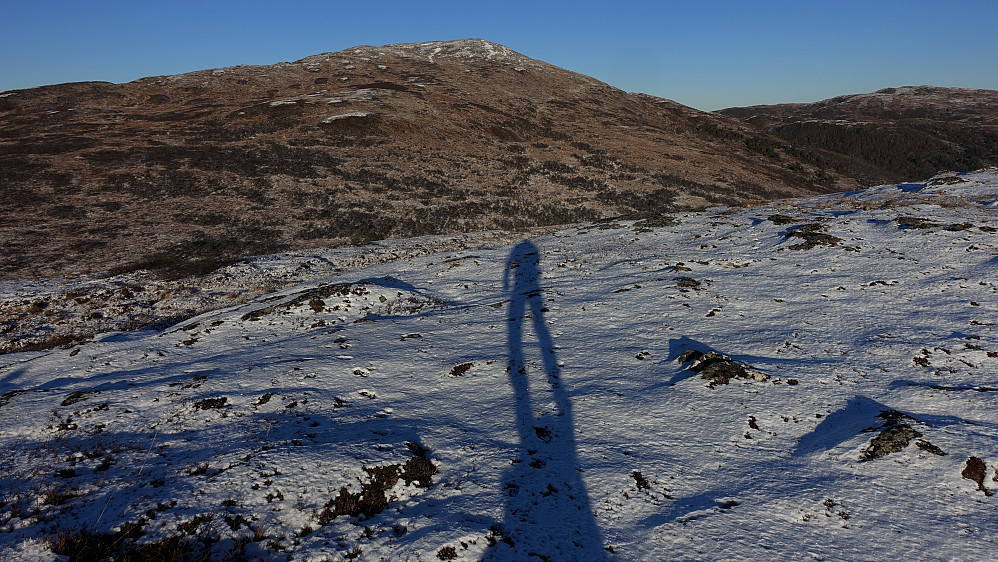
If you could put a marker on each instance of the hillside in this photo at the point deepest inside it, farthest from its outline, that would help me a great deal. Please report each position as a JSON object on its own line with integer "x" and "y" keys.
{"x": 894, "y": 134}
{"x": 808, "y": 379}
{"x": 181, "y": 174}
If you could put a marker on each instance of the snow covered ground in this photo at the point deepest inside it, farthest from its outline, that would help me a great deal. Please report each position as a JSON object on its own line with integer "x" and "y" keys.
{"x": 540, "y": 398}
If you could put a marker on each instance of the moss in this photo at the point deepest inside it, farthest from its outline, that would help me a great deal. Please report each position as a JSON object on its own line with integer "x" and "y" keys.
{"x": 906, "y": 223}
{"x": 210, "y": 403}
{"x": 812, "y": 236}
{"x": 687, "y": 282}
{"x": 78, "y": 396}
{"x": 372, "y": 497}
{"x": 650, "y": 224}
{"x": 313, "y": 298}
{"x": 193, "y": 542}
{"x": 639, "y": 481}
{"x": 419, "y": 471}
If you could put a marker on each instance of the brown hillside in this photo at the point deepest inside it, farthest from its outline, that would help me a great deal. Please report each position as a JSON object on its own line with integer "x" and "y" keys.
{"x": 180, "y": 173}
{"x": 891, "y": 135}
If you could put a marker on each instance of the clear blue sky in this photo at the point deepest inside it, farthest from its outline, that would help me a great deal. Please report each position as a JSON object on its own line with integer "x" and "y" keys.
{"x": 704, "y": 54}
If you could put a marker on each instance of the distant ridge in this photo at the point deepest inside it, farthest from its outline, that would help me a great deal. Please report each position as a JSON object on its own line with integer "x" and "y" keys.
{"x": 893, "y": 134}
{"x": 178, "y": 174}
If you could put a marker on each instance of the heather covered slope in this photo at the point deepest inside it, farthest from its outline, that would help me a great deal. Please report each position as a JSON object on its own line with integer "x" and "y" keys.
{"x": 180, "y": 174}
{"x": 891, "y": 135}
{"x": 813, "y": 378}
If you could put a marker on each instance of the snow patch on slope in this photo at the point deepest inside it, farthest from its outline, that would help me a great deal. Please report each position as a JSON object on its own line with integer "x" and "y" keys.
{"x": 461, "y": 49}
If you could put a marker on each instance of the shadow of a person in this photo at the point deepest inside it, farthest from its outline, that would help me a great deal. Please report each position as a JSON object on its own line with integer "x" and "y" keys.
{"x": 547, "y": 511}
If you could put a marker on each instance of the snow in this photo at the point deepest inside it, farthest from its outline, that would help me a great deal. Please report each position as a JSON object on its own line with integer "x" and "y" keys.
{"x": 460, "y": 49}
{"x": 541, "y": 378}
{"x": 351, "y": 115}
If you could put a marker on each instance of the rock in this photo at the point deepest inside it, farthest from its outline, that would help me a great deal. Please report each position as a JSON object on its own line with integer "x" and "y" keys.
{"x": 780, "y": 219}
{"x": 687, "y": 282}
{"x": 720, "y": 369}
{"x": 689, "y": 355}
{"x": 929, "y": 447}
{"x": 704, "y": 361}
{"x": 976, "y": 470}
{"x": 891, "y": 440}
{"x": 812, "y": 235}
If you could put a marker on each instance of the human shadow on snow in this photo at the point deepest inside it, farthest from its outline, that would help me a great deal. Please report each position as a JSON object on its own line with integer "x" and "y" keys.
{"x": 548, "y": 513}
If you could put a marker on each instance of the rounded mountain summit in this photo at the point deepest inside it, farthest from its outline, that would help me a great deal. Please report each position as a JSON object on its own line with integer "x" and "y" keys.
{"x": 179, "y": 174}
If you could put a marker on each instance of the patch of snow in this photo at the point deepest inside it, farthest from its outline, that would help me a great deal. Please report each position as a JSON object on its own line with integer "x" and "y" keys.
{"x": 351, "y": 115}
{"x": 461, "y": 49}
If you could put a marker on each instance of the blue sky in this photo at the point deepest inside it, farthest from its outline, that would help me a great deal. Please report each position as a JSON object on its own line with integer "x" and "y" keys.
{"x": 704, "y": 54}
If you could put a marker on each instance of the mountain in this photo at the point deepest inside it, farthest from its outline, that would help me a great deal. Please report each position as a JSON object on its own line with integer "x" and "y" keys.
{"x": 891, "y": 135}
{"x": 181, "y": 174}
{"x": 813, "y": 378}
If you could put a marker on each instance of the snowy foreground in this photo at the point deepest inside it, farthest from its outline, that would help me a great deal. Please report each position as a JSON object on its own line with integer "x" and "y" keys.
{"x": 534, "y": 399}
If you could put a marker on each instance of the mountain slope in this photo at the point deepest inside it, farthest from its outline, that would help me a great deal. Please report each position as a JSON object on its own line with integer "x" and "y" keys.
{"x": 545, "y": 397}
{"x": 180, "y": 174}
{"x": 894, "y": 134}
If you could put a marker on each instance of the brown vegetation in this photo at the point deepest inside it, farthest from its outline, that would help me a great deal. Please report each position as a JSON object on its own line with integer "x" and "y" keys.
{"x": 892, "y": 135}
{"x": 182, "y": 174}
